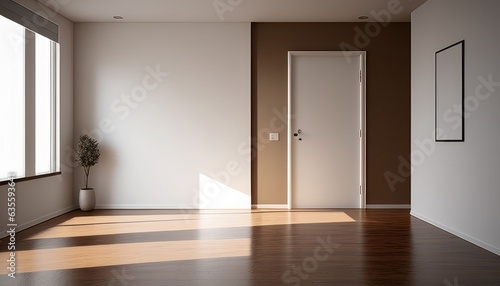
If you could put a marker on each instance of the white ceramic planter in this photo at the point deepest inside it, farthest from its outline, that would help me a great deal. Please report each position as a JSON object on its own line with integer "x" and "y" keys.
{"x": 87, "y": 199}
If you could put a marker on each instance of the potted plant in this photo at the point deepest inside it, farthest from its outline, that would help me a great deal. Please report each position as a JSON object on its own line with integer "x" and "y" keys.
{"x": 87, "y": 155}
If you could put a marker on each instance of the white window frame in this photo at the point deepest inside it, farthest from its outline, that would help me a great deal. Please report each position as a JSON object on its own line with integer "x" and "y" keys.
{"x": 35, "y": 24}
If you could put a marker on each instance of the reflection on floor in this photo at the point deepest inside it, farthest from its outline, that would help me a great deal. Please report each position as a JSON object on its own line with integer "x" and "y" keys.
{"x": 258, "y": 247}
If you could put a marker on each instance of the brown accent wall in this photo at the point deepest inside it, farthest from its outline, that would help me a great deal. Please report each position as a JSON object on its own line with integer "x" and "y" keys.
{"x": 387, "y": 109}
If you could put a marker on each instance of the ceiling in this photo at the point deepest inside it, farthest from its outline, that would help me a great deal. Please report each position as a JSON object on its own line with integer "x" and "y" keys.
{"x": 232, "y": 10}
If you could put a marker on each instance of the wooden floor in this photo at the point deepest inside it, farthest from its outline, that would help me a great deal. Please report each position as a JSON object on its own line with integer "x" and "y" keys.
{"x": 260, "y": 247}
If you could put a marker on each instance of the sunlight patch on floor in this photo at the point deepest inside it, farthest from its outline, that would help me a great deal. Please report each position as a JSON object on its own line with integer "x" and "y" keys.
{"x": 126, "y": 253}
{"x": 112, "y": 225}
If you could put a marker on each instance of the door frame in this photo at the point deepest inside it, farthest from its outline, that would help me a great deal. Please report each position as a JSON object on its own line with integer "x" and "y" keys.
{"x": 362, "y": 108}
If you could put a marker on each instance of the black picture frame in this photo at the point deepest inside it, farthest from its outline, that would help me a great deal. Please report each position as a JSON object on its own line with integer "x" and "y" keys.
{"x": 449, "y": 92}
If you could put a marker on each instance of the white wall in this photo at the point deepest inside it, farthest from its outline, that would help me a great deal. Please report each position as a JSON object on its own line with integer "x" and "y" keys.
{"x": 42, "y": 199}
{"x": 167, "y": 141}
{"x": 456, "y": 186}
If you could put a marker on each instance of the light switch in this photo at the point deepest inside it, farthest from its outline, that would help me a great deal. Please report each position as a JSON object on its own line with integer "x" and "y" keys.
{"x": 274, "y": 137}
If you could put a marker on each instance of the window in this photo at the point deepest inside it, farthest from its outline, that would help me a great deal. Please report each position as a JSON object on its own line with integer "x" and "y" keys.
{"x": 29, "y": 96}
{"x": 11, "y": 98}
{"x": 44, "y": 105}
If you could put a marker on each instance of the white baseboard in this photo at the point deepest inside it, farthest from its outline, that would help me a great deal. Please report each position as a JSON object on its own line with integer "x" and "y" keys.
{"x": 41, "y": 219}
{"x": 141, "y": 207}
{"x": 269, "y": 206}
{"x": 460, "y": 234}
{"x": 284, "y": 206}
{"x": 154, "y": 207}
{"x": 388, "y": 206}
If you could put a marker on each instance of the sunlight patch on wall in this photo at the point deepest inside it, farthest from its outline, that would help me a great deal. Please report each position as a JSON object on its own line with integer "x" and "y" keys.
{"x": 216, "y": 195}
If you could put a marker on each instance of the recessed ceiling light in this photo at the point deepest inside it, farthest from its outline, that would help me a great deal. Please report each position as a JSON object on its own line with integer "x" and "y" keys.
{"x": 363, "y": 17}
{"x": 118, "y": 17}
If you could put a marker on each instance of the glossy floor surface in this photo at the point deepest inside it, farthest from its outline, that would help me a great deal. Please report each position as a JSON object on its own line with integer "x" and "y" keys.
{"x": 259, "y": 247}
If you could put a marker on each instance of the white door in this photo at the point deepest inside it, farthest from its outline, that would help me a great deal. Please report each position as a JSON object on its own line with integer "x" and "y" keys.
{"x": 326, "y": 135}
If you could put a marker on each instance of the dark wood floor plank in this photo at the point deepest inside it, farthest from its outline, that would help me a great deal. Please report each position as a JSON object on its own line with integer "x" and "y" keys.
{"x": 261, "y": 247}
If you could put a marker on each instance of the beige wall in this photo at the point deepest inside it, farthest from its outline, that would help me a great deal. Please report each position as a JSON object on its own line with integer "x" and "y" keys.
{"x": 387, "y": 110}
{"x": 455, "y": 184}
{"x": 170, "y": 105}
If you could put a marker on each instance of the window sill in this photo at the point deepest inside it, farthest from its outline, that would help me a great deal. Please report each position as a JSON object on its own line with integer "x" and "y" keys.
{"x": 24, "y": 179}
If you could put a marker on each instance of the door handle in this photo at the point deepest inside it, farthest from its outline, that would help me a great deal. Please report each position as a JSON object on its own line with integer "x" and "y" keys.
{"x": 297, "y": 134}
